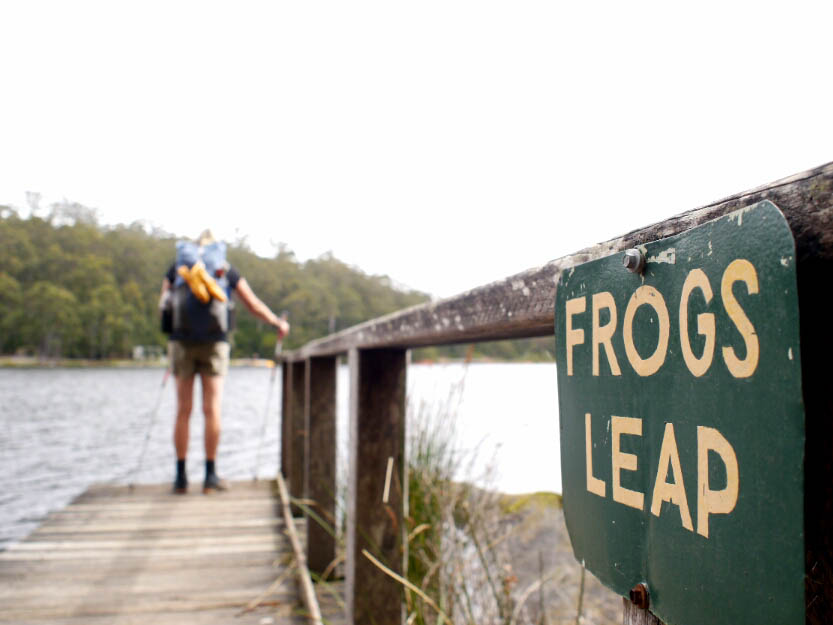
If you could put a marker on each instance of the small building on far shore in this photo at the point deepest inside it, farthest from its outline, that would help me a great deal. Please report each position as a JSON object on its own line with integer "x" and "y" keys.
{"x": 148, "y": 352}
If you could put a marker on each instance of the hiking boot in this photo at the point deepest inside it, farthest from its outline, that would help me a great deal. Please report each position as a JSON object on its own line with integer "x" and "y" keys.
{"x": 180, "y": 485}
{"x": 214, "y": 484}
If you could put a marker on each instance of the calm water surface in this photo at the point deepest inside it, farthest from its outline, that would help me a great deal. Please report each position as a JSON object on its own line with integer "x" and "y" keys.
{"x": 62, "y": 430}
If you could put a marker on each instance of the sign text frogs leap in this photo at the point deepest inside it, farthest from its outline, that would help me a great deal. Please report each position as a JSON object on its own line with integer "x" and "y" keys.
{"x": 682, "y": 426}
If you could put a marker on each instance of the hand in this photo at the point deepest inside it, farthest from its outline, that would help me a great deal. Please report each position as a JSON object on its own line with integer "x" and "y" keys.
{"x": 282, "y": 326}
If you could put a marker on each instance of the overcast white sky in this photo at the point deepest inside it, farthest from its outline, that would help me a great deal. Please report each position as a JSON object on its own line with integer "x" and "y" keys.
{"x": 446, "y": 144}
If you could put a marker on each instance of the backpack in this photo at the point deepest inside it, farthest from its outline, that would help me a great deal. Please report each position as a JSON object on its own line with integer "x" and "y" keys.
{"x": 193, "y": 320}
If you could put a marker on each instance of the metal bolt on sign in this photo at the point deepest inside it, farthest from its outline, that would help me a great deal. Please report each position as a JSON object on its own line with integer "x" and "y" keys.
{"x": 639, "y": 596}
{"x": 633, "y": 261}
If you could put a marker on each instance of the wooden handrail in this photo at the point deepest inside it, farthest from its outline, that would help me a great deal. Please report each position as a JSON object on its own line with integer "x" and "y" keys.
{"x": 522, "y": 306}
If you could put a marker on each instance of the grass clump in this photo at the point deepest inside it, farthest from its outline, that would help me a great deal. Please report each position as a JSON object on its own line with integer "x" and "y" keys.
{"x": 454, "y": 533}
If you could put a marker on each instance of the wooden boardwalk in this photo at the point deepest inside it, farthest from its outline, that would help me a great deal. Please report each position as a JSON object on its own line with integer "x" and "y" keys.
{"x": 146, "y": 556}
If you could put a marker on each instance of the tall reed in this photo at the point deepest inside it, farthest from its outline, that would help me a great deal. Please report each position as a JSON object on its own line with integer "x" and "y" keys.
{"x": 458, "y": 540}
{"x": 453, "y": 544}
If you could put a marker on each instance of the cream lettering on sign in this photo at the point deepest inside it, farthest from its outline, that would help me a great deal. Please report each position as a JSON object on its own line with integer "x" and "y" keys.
{"x": 740, "y": 270}
{"x": 594, "y": 484}
{"x": 673, "y": 492}
{"x": 624, "y": 461}
{"x": 575, "y": 336}
{"x": 602, "y": 334}
{"x": 697, "y": 279}
{"x": 714, "y": 501}
{"x": 647, "y": 295}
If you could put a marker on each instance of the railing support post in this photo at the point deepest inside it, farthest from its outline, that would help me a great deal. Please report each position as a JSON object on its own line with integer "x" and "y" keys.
{"x": 286, "y": 416}
{"x": 320, "y": 454}
{"x": 297, "y": 434}
{"x": 375, "y": 503}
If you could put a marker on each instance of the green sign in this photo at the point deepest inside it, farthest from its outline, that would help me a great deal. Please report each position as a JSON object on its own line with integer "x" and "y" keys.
{"x": 682, "y": 422}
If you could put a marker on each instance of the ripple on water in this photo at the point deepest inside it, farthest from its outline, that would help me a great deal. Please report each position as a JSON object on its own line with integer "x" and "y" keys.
{"x": 64, "y": 429}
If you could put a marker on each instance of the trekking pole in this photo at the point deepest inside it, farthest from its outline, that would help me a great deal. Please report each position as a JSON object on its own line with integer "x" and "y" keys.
{"x": 276, "y": 356}
{"x": 153, "y": 416}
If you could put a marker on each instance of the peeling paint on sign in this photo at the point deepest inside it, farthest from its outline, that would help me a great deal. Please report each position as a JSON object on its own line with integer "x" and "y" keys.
{"x": 668, "y": 256}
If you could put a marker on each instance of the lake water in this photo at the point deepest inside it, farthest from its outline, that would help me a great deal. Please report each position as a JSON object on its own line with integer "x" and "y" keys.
{"x": 64, "y": 429}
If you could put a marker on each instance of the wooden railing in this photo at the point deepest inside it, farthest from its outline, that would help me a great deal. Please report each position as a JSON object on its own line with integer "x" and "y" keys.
{"x": 518, "y": 307}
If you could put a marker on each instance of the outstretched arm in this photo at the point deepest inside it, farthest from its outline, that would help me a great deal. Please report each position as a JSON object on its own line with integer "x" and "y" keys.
{"x": 259, "y": 309}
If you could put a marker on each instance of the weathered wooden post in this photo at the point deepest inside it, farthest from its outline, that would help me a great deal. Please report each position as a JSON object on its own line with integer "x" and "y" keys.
{"x": 320, "y": 453}
{"x": 634, "y": 615}
{"x": 375, "y": 505}
{"x": 813, "y": 229}
{"x": 297, "y": 434}
{"x": 286, "y": 416}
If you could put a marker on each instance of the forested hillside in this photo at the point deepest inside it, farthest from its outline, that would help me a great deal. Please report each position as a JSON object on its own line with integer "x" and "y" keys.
{"x": 71, "y": 287}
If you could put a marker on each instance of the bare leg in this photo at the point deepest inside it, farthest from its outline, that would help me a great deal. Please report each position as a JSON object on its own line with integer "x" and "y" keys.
{"x": 212, "y": 397}
{"x": 184, "y": 401}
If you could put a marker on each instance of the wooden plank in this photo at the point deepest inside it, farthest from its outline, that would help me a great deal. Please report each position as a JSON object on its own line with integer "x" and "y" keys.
{"x": 375, "y": 504}
{"x": 61, "y": 570}
{"x": 179, "y": 524}
{"x": 171, "y": 603}
{"x": 144, "y": 553}
{"x": 156, "y": 558}
{"x": 280, "y": 613}
{"x": 523, "y": 305}
{"x": 186, "y": 542}
{"x": 255, "y": 572}
{"x": 150, "y": 505}
{"x": 65, "y": 595}
{"x": 198, "y": 515}
{"x": 116, "y": 493}
{"x": 320, "y": 474}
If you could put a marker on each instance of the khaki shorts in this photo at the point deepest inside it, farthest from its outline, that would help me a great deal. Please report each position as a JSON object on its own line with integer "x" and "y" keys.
{"x": 189, "y": 358}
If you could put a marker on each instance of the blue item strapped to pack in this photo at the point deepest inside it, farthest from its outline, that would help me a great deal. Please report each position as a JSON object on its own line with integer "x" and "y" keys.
{"x": 194, "y": 320}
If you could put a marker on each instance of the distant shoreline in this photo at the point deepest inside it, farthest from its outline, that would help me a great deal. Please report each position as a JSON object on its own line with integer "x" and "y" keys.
{"x": 33, "y": 362}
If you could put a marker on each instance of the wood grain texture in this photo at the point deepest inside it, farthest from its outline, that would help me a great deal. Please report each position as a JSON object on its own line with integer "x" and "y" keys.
{"x": 119, "y": 557}
{"x": 522, "y": 305}
{"x": 373, "y": 522}
{"x": 320, "y": 454}
{"x": 286, "y": 417}
{"x": 632, "y": 615}
{"x": 295, "y": 478}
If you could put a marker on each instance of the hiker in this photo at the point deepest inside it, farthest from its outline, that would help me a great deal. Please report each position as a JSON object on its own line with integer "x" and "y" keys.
{"x": 195, "y": 303}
